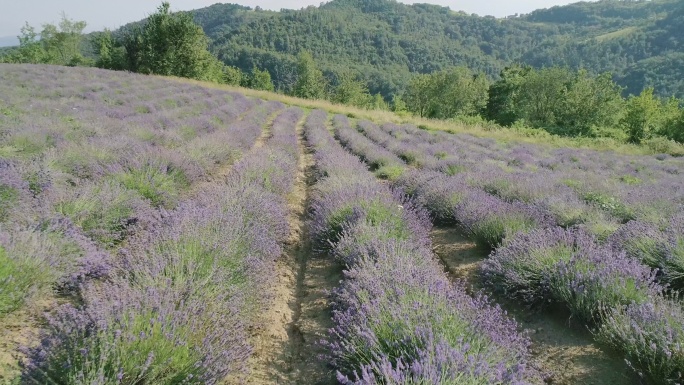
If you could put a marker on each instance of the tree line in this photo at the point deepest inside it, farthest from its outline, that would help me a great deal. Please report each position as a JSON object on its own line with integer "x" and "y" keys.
{"x": 556, "y": 99}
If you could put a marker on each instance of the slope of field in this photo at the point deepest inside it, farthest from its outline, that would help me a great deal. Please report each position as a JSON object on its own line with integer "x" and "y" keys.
{"x": 158, "y": 231}
{"x": 597, "y": 234}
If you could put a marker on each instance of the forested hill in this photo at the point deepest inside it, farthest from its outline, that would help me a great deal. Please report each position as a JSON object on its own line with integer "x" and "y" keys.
{"x": 385, "y": 41}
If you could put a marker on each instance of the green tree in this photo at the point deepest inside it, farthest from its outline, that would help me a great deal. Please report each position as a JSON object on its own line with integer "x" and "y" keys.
{"x": 233, "y": 76}
{"x": 503, "y": 94}
{"x": 377, "y": 102}
{"x": 311, "y": 84}
{"x": 588, "y": 101}
{"x": 110, "y": 55}
{"x": 419, "y": 94}
{"x": 463, "y": 93}
{"x": 351, "y": 90}
{"x": 172, "y": 44}
{"x": 447, "y": 94}
{"x": 673, "y": 127}
{"x": 641, "y": 116}
{"x": 30, "y": 49}
{"x": 259, "y": 80}
{"x": 56, "y": 44}
{"x": 398, "y": 104}
{"x": 541, "y": 95}
{"x": 62, "y": 43}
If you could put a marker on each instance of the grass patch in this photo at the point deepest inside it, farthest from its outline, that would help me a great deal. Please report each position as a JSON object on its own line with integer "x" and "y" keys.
{"x": 8, "y": 198}
{"x": 104, "y": 212}
{"x": 24, "y": 270}
{"x": 390, "y": 172}
{"x": 161, "y": 185}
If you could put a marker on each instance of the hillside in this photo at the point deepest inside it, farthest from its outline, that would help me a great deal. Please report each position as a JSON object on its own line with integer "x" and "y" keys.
{"x": 164, "y": 230}
{"x": 386, "y": 41}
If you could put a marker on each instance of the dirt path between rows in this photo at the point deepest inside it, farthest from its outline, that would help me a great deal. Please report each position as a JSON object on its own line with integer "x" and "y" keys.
{"x": 287, "y": 350}
{"x": 564, "y": 351}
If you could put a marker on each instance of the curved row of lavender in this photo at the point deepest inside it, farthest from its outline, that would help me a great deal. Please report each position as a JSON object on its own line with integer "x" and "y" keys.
{"x": 88, "y": 156}
{"x": 611, "y": 290}
{"x": 397, "y": 317}
{"x": 178, "y": 306}
{"x": 90, "y": 162}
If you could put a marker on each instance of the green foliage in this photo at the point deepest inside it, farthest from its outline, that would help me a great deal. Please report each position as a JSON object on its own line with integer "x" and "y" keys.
{"x": 350, "y": 90}
{"x": 161, "y": 185}
{"x": 310, "y": 81}
{"x": 609, "y": 204}
{"x": 166, "y": 43}
{"x": 589, "y": 101}
{"x": 447, "y": 94}
{"x": 557, "y": 99}
{"x": 24, "y": 269}
{"x": 388, "y": 42}
{"x": 8, "y": 197}
{"x": 259, "y": 80}
{"x": 55, "y": 44}
{"x": 490, "y": 232}
{"x": 641, "y": 116}
{"x": 62, "y": 44}
{"x": 148, "y": 352}
{"x": 233, "y": 76}
{"x": 102, "y": 211}
{"x": 110, "y": 55}
{"x": 390, "y": 172}
{"x": 673, "y": 128}
{"x": 503, "y": 94}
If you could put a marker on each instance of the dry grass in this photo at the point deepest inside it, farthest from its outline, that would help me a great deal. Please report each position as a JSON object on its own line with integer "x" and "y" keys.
{"x": 503, "y": 135}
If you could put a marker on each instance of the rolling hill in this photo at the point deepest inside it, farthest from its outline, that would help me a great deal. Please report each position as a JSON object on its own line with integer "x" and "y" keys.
{"x": 386, "y": 41}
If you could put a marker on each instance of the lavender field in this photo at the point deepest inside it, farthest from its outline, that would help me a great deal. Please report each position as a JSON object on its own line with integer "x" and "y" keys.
{"x": 158, "y": 232}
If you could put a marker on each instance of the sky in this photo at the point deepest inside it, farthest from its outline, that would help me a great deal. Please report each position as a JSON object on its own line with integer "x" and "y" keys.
{"x": 112, "y": 14}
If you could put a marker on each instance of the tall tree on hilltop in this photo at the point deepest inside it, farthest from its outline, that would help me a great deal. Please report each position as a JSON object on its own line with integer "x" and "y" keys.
{"x": 172, "y": 44}
{"x": 55, "y": 44}
{"x": 311, "y": 84}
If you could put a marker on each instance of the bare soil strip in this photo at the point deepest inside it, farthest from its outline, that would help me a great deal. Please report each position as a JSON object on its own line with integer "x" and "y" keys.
{"x": 287, "y": 349}
{"x": 564, "y": 351}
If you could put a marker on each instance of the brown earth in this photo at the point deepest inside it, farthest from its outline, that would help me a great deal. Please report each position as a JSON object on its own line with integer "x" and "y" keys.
{"x": 287, "y": 349}
{"x": 21, "y": 328}
{"x": 564, "y": 351}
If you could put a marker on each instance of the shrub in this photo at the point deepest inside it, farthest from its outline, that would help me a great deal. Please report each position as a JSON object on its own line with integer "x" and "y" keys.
{"x": 160, "y": 183}
{"x": 651, "y": 336}
{"x": 28, "y": 267}
{"x": 106, "y": 212}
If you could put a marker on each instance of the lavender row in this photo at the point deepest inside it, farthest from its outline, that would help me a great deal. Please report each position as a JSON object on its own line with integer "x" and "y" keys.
{"x": 182, "y": 298}
{"x": 489, "y": 211}
{"x": 611, "y": 291}
{"x": 397, "y": 317}
{"x": 76, "y": 181}
{"x": 615, "y": 295}
{"x": 40, "y": 251}
{"x": 384, "y": 163}
{"x": 538, "y": 263}
{"x": 624, "y": 188}
{"x": 486, "y": 218}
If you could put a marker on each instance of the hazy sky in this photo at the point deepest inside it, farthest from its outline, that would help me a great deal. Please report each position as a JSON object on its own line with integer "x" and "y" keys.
{"x": 100, "y": 14}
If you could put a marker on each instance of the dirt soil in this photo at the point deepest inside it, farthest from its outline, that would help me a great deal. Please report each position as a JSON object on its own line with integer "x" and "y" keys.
{"x": 21, "y": 329}
{"x": 564, "y": 351}
{"x": 287, "y": 350}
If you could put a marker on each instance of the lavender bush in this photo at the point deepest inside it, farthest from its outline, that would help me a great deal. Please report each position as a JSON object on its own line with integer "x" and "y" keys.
{"x": 570, "y": 267}
{"x": 397, "y": 317}
{"x": 651, "y": 336}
